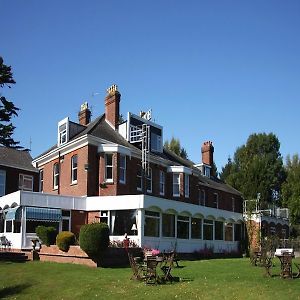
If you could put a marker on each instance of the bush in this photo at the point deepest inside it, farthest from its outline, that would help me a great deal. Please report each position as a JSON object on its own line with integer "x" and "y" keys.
{"x": 46, "y": 234}
{"x": 64, "y": 240}
{"x": 94, "y": 239}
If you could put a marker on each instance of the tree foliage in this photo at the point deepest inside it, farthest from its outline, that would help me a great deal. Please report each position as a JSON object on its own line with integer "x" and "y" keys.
{"x": 257, "y": 167}
{"x": 291, "y": 188}
{"x": 174, "y": 146}
{"x": 7, "y": 109}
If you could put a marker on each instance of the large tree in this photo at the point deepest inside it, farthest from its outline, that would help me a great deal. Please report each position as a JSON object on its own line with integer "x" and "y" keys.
{"x": 257, "y": 167}
{"x": 291, "y": 188}
{"x": 7, "y": 109}
{"x": 174, "y": 146}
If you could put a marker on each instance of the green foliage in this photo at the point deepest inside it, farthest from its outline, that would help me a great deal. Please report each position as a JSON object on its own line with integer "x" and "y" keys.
{"x": 174, "y": 146}
{"x": 7, "y": 109}
{"x": 256, "y": 168}
{"x": 64, "y": 240}
{"x": 94, "y": 239}
{"x": 46, "y": 234}
{"x": 291, "y": 188}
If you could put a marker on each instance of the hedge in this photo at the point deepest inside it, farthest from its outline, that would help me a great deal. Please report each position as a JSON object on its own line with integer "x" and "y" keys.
{"x": 46, "y": 234}
{"x": 64, "y": 240}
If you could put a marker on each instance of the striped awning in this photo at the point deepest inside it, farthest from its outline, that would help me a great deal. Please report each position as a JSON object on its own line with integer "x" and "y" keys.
{"x": 43, "y": 214}
{"x": 14, "y": 213}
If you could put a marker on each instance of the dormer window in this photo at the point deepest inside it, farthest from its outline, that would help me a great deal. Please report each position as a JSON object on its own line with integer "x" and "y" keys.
{"x": 206, "y": 171}
{"x": 63, "y": 132}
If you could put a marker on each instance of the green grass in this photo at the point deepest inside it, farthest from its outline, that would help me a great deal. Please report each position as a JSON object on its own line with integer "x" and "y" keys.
{"x": 209, "y": 279}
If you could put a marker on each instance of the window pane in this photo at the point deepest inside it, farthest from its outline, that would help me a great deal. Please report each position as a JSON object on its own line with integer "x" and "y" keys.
{"x": 2, "y": 182}
{"x": 8, "y": 226}
{"x": 237, "y": 232}
{"x": 168, "y": 225}
{"x": 208, "y": 230}
{"x": 196, "y": 228}
{"x": 183, "y": 227}
{"x": 31, "y": 225}
{"x": 151, "y": 227}
{"x": 219, "y": 231}
{"x": 122, "y": 221}
{"x": 228, "y": 232}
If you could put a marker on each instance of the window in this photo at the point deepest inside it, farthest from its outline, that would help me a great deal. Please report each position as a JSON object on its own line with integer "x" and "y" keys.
{"x": 122, "y": 169}
{"x": 62, "y": 132}
{"x": 206, "y": 171}
{"x": 219, "y": 231}
{"x": 208, "y": 229}
{"x": 8, "y": 226}
{"x": 161, "y": 183}
{"x": 2, "y": 182}
{"x": 74, "y": 166}
{"x": 203, "y": 198}
{"x": 233, "y": 204}
{"x": 168, "y": 225}
{"x": 196, "y": 228}
{"x": 149, "y": 181}
{"x": 139, "y": 185}
{"x": 25, "y": 182}
{"x": 152, "y": 221}
{"x": 155, "y": 142}
{"x": 237, "y": 232}
{"x": 41, "y": 180}
{"x": 104, "y": 216}
{"x": 228, "y": 232}
{"x": 55, "y": 176}
{"x": 121, "y": 221}
{"x": 66, "y": 218}
{"x": 272, "y": 230}
{"x": 183, "y": 224}
{"x": 186, "y": 185}
{"x": 216, "y": 200}
{"x": 108, "y": 167}
{"x": 176, "y": 185}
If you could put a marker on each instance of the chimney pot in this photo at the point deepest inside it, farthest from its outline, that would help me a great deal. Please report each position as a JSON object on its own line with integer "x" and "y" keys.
{"x": 84, "y": 116}
{"x": 207, "y": 150}
{"x": 112, "y": 106}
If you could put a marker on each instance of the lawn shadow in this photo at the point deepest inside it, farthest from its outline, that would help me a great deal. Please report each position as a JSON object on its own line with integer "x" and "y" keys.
{"x": 13, "y": 290}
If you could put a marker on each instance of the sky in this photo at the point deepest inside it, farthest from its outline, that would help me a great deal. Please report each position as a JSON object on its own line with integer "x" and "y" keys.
{"x": 209, "y": 70}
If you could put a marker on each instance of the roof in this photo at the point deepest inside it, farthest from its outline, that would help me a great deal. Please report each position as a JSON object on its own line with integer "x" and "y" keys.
{"x": 101, "y": 129}
{"x": 17, "y": 159}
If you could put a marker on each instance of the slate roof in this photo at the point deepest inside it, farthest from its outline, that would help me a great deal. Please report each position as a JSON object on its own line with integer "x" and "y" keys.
{"x": 16, "y": 159}
{"x": 101, "y": 129}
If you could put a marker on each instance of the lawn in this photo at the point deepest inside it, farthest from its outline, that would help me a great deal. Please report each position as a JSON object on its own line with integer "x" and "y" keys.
{"x": 208, "y": 279}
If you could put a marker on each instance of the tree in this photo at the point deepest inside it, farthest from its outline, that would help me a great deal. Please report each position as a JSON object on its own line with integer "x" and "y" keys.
{"x": 174, "y": 146}
{"x": 257, "y": 167}
{"x": 291, "y": 188}
{"x": 7, "y": 109}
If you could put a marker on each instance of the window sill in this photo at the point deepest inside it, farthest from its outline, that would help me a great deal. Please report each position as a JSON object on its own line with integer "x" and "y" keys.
{"x": 73, "y": 183}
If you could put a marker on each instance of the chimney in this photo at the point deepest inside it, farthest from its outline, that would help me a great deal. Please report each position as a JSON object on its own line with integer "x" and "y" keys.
{"x": 207, "y": 150}
{"x": 112, "y": 106}
{"x": 84, "y": 116}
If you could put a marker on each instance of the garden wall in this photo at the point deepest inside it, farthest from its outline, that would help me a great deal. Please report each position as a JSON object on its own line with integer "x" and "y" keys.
{"x": 111, "y": 257}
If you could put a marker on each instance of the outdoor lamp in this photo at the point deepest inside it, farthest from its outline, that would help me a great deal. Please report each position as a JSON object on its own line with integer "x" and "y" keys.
{"x": 134, "y": 228}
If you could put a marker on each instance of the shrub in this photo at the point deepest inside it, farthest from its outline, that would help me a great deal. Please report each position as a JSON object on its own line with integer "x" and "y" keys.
{"x": 64, "y": 240}
{"x": 46, "y": 234}
{"x": 94, "y": 239}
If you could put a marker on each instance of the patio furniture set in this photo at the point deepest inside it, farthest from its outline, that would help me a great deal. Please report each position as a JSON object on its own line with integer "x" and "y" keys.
{"x": 285, "y": 256}
{"x": 153, "y": 269}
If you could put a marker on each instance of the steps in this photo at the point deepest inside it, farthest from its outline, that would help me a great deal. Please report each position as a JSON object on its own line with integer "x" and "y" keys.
{"x": 13, "y": 256}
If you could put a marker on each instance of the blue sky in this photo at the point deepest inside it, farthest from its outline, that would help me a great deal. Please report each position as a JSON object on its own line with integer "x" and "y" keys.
{"x": 209, "y": 70}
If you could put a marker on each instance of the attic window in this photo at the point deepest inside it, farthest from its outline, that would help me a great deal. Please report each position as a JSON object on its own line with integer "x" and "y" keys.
{"x": 63, "y": 131}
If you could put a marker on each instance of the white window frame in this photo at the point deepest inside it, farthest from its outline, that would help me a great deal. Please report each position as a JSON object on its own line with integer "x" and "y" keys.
{"x": 139, "y": 178}
{"x": 175, "y": 184}
{"x": 74, "y": 169}
{"x": 41, "y": 187}
{"x": 122, "y": 169}
{"x": 149, "y": 179}
{"x": 109, "y": 166}
{"x": 63, "y": 135}
{"x": 55, "y": 176}
{"x": 22, "y": 179}
{"x": 162, "y": 178}
{"x": 186, "y": 185}
{"x": 216, "y": 200}
{"x": 3, "y": 185}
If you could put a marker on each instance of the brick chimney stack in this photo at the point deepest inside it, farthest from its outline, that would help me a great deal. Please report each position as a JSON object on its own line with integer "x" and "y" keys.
{"x": 112, "y": 106}
{"x": 84, "y": 116}
{"x": 207, "y": 150}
